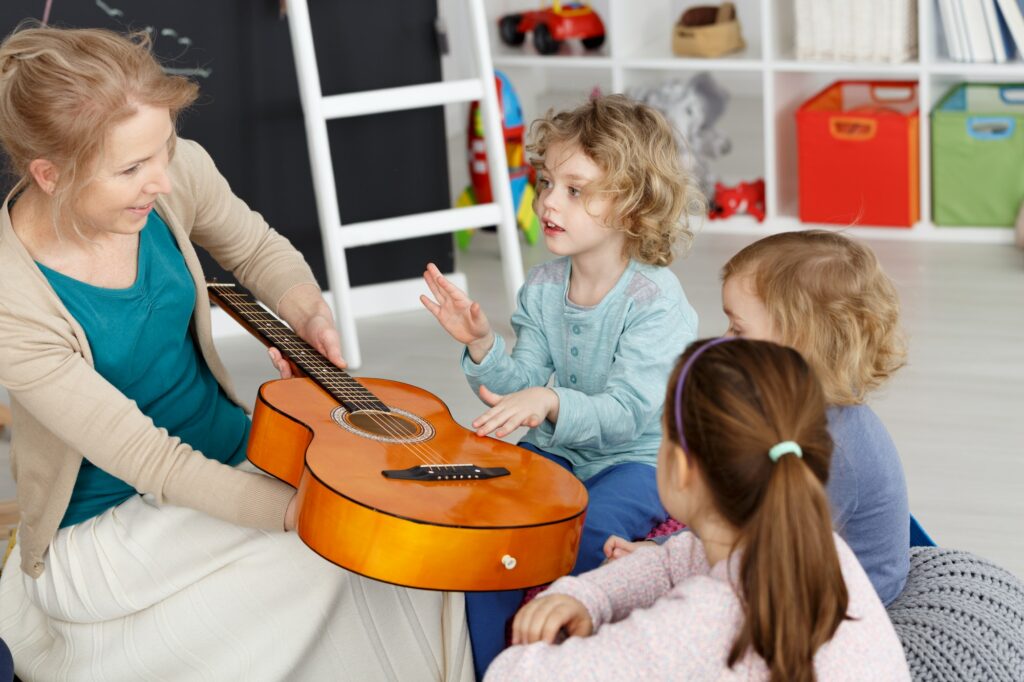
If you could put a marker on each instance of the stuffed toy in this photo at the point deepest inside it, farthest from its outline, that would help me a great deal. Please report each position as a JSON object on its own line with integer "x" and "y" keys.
{"x": 746, "y": 197}
{"x": 693, "y": 108}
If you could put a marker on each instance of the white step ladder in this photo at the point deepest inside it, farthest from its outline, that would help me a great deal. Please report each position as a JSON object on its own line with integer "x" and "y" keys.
{"x": 318, "y": 109}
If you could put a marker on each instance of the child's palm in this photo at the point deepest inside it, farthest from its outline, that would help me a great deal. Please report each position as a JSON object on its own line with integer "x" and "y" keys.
{"x": 458, "y": 313}
{"x": 463, "y": 319}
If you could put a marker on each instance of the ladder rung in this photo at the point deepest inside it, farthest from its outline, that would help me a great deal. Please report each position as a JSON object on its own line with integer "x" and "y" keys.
{"x": 398, "y": 99}
{"x": 419, "y": 225}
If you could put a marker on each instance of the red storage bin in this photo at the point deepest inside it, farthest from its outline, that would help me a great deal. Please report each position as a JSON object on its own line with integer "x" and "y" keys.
{"x": 857, "y": 150}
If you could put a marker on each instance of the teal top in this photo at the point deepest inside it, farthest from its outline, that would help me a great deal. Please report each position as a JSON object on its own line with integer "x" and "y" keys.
{"x": 141, "y": 343}
{"x": 609, "y": 363}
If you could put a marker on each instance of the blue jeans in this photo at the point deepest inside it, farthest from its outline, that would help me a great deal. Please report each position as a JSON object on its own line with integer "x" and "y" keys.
{"x": 6, "y": 663}
{"x": 623, "y": 501}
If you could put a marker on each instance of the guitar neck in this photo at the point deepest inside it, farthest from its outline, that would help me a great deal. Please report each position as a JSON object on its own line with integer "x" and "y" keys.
{"x": 261, "y": 323}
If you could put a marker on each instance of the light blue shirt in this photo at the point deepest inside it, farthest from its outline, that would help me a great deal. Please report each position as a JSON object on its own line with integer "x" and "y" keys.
{"x": 609, "y": 362}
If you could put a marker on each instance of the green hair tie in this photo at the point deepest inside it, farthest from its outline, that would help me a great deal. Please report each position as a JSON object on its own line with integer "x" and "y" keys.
{"x": 786, "y": 447}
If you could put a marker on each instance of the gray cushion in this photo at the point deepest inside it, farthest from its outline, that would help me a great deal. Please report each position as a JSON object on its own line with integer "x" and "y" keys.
{"x": 960, "y": 618}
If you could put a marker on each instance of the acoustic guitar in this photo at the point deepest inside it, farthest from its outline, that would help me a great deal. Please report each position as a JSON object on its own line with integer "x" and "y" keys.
{"x": 391, "y": 487}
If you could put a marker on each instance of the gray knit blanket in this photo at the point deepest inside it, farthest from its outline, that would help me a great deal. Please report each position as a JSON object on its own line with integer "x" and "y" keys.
{"x": 960, "y": 618}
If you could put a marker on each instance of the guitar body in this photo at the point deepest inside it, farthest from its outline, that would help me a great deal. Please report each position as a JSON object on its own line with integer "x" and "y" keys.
{"x": 511, "y": 531}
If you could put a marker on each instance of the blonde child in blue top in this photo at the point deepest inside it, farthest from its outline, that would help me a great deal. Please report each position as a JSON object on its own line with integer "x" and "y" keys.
{"x": 827, "y": 296}
{"x": 601, "y": 323}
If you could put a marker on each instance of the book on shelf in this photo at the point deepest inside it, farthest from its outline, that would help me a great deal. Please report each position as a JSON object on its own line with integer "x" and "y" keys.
{"x": 995, "y": 31}
{"x": 951, "y": 30}
{"x": 1014, "y": 17}
{"x": 988, "y": 31}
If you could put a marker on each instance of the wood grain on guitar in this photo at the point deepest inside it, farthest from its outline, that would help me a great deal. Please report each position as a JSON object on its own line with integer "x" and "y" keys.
{"x": 391, "y": 487}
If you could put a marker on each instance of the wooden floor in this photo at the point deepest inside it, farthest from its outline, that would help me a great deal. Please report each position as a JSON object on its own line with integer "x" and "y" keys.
{"x": 956, "y": 411}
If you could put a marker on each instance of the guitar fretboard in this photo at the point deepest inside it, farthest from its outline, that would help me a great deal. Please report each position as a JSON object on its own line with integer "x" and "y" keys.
{"x": 242, "y": 306}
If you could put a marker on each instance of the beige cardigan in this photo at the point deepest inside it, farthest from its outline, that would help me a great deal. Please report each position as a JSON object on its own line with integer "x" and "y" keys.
{"x": 63, "y": 409}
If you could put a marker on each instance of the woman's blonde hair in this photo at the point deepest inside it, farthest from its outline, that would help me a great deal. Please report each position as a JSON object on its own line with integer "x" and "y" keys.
{"x": 633, "y": 144}
{"x": 61, "y": 92}
{"x": 828, "y": 297}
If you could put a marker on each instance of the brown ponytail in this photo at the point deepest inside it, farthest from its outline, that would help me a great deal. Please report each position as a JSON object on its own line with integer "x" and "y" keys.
{"x": 739, "y": 399}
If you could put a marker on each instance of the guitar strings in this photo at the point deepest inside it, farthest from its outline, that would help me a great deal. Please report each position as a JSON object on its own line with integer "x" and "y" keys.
{"x": 284, "y": 339}
{"x": 344, "y": 388}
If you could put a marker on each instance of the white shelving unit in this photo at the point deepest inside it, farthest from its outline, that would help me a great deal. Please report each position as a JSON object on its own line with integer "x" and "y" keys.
{"x": 766, "y": 84}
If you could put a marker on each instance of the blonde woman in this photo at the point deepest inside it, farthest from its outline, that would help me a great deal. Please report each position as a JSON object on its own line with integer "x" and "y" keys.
{"x": 605, "y": 319}
{"x": 827, "y": 296}
{"x": 147, "y": 547}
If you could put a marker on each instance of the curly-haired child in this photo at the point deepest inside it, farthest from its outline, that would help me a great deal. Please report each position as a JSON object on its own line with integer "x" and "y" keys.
{"x": 604, "y": 320}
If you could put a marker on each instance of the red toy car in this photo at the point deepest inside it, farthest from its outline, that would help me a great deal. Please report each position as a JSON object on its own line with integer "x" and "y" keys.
{"x": 553, "y": 25}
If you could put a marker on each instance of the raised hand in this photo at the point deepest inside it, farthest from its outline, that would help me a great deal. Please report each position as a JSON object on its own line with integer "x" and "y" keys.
{"x": 458, "y": 313}
{"x": 546, "y": 616}
{"x": 528, "y": 407}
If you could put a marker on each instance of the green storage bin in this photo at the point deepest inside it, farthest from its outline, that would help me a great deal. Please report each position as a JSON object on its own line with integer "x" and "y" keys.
{"x": 978, "y": 155}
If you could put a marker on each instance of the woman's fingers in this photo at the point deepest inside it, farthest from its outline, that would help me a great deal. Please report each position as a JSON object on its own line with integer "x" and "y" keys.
{"x": 330, "y": 346}
{"x": 280, "y": 364}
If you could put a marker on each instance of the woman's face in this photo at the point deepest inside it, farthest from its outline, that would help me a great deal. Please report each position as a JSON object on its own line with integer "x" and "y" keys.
{"x": 129, "y": 176}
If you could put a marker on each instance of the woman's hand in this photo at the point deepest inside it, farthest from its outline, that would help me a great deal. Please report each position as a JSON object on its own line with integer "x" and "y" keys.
{"x": 543, "y": 618}
{"x": 616, "y": 547}
{"x": 458, "y": 314}
{"x": 528, "y": 407}
{"x": 305, "y": 311}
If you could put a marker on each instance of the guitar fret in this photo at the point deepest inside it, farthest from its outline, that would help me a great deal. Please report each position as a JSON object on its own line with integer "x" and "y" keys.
{"x": 334, "y": 380}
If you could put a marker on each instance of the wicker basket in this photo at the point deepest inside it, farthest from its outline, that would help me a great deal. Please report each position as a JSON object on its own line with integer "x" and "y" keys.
{"x": 863, "y": 31}
{"x": 707, "y": 31}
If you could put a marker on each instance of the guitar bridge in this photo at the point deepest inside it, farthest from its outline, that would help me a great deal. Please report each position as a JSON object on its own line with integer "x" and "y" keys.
{"x": 445, "y": 472}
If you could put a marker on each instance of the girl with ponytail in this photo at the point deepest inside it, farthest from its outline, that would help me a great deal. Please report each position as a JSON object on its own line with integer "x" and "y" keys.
{"x": 762, "y": 589}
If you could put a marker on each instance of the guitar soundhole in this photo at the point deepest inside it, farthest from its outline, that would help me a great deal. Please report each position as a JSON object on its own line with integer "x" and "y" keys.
{"x": 396, "y": 426}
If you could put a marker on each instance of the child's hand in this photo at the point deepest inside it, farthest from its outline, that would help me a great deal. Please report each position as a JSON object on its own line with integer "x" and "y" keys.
{"x": 616, "y": 547}
{"x": 544, "y": 617}
{"x": 528, "y": 407}
{"x": 458, "y": 314}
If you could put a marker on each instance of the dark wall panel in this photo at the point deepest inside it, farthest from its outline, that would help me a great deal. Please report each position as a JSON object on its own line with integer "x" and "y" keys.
{"x": 250, "y": 119}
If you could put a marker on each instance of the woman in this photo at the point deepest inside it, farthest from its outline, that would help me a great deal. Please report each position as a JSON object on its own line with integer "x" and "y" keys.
{"x": 147, "y": 547}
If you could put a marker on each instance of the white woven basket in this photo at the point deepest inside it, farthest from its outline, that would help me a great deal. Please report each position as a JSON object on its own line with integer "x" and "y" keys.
{"x": 856, "y": 30}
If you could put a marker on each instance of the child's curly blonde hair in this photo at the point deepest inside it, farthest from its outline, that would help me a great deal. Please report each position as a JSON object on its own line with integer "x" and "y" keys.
{"x": 633, "y": 144}
{"x": 828, "y": 297}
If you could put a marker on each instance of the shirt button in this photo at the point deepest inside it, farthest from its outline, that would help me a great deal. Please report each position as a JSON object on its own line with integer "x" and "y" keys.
{"x": 572, "y": 378}
{"x": 575, "y": 351}
{"x": 575, "y": 329}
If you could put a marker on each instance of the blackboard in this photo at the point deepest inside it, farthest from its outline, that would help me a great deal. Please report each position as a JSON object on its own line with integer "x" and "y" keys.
{"x": 249, "y": 116}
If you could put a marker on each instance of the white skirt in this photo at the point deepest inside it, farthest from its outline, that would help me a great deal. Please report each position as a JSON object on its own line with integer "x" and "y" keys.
{"x": 167, "y": 593}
